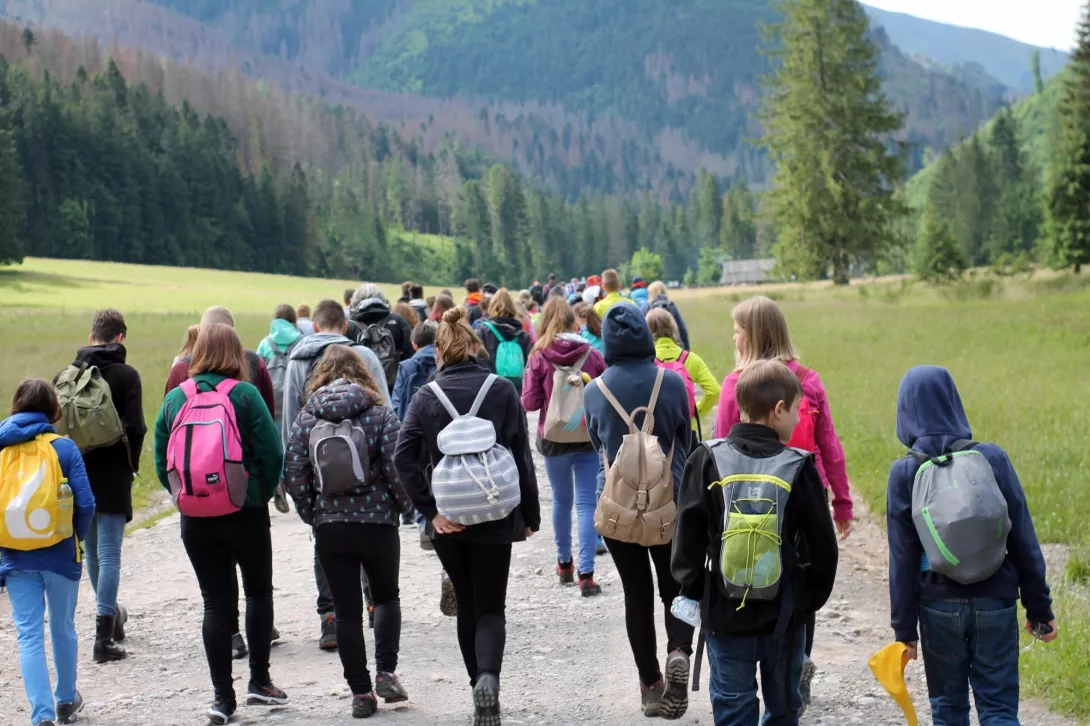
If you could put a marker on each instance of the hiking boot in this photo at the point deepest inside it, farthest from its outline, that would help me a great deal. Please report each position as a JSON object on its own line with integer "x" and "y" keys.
{"x": 808, "y": 671}
{"x": 280, "y": 500}
{"x": 566, "y": 572}
{"x": 389, "y": 688}
{"x": 363, "y": 705}
{"x": 106, "y": 650}
{"x": 328, "y": 641}
{"x": 675, "y": 699}
{"x": 67, "y": 712}
{"x": 371, "y": 617}
{"x": 221, "y": 711}
{"x": 266, "y": 695}
{"x": 238, "y": 647}
{"x": 486, "y": 700}
{"x": 448, "y": 603}
{"x": 121, "y": 617}
{"x": 588, "y": 587}
{"x": 651, "y": 697}
{"x": 426, "y": 544}
{"x": 274, "y": 636}
{"x": 601, "y": 548}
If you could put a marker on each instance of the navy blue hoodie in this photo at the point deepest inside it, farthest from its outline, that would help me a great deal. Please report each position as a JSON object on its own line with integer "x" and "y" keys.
{"x": 630, "y": 355}
{"x": 930, "y": 418}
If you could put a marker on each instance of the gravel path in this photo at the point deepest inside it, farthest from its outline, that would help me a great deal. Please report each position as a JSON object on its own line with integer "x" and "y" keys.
{"x": 567, "y": 662}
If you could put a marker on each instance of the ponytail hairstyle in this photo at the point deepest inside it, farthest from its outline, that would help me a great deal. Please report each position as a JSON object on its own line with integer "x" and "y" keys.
{"x": 455, "y": 342}
{"x": 189, "y": 341}
{"x": 590, "y": 316}
{"x": 556, "y": 318}
{"x": 763, "y": 333}
{"x": 341, "y": 362}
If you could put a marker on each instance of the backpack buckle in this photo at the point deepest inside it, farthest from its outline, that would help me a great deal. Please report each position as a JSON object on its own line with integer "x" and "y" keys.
{"x": 641, "y": 499}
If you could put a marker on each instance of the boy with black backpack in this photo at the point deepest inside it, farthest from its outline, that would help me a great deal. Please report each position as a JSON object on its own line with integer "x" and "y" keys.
{"x": 962, "y": 551}
{"x": 755, "y": 511}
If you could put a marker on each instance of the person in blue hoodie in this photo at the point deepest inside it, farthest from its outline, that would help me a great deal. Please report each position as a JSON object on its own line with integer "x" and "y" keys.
{"x": 414, "y": 373}
{"x": 48, "y": 577}
{"x": 970, "y": 632}
{"x": 630, "y": 355}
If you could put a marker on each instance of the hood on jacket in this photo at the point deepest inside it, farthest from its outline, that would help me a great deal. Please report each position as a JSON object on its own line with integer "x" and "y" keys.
{"x": 370, "y": 311}
{"x": 23, "y": 427}
{"x": 639, "y": 294}
{"x": 283, "y": 333}
{"x": 667, "y": 349}
{"x": 428, "y": 351}
{"x": 101, "y": 356}
{"x": 566, "y": 349}
{"x": 338, "y": 401}
{"x": 930, "y": 416}
{"x": 509, "y": 327}
{"x": 313, "y": 345}
{"x": 626, "y": 335}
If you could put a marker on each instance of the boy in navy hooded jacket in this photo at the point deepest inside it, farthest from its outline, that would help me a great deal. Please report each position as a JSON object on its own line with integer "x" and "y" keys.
{"x": 970, "y": 632}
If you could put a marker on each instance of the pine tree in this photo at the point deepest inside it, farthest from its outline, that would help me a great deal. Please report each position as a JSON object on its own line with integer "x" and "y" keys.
{"x": 1068, "y": 196}
{"x": 828, "y": 129}
{"x": 13, "y": 213}
{"x": 739, "y": 232}
{"x": 939, "y": 257}
{"x": 708, "y": 204}
{"x": 1017, "y": 216}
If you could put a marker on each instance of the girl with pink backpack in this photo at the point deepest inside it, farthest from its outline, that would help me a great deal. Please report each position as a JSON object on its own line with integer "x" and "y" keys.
{"x": 218, "y": 453}
{"x": 670, "y": 354}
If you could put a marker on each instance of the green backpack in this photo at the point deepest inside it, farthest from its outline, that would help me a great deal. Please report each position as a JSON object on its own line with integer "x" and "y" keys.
{"x": 88, "y": 416}
{"x": 509, "y": 357}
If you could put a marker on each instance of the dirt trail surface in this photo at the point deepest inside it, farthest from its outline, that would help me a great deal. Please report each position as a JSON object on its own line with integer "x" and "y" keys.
{"x": 567, "y": 662}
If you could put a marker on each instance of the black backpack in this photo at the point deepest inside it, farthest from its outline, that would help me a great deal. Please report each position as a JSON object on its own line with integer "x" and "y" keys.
{"x": 380, "y": 340}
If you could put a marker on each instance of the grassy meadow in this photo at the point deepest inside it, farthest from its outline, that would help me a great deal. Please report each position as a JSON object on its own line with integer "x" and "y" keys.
{"x": 1019, "y": 351}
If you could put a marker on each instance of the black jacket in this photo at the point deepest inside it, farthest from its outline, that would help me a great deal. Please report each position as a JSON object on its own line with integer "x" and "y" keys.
{"x": 369, "y": 312}
{"x": 417, "y": 448}
{"x": 109, "y": 469}
{"x": 810, "y": 563}
{"x": 510, "y": 329}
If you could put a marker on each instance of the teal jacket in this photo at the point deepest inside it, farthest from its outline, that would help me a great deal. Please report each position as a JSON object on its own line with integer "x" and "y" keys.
{"x": 262, "y": 454}
{"x": 281, "y": 333}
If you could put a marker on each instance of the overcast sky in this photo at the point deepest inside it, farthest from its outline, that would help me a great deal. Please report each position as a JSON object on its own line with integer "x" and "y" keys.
{"x": 1048, "y": 23}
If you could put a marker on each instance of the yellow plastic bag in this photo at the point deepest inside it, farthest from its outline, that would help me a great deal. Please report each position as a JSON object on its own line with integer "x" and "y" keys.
{"x": 888, "y": 666}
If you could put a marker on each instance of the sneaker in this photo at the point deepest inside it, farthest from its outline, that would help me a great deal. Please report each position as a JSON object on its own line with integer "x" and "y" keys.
{"x": 808, "y": 671}
{"x": 566, "y": 572}
{"x": 120, "y": 618}
{"x": 651, "y": 698}
{"x": 389, "y": 688}
{"x": 364, "y": 705}
{"x": 274, "y": 636}
{"x": 371, "y": 617}
{"x": 68, "y": 712}
{"x": 266, "y": 695}
{"x": 448, "y": 603}
{"x": 588, "y": 587}
{"x": 426, "y": 544}
{"x": 328, "y": 641}
{"x": 486, "y": 701}
{"x": 408, "y": 520}
{"x": 601, "y": 548}
{"x": 675, "y": 699}
{"x": 280, "y": 500}
{"x": 221, "y": 711}
{"x": 238, "y": 647}
{"x": 45, "y": 723}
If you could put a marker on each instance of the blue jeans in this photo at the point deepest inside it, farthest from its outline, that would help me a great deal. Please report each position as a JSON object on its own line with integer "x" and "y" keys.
{"x": 104, "y": 559}
{"x": 974, "y": 643}
{"x": 734, "y": 660}
{"x": 574, "y": 481}
{"x": 31, "y": 592}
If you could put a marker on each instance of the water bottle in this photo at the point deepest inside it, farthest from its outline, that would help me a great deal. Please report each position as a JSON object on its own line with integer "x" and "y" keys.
{"x": 686, "y": 610}
{"x": 65, "y": 502}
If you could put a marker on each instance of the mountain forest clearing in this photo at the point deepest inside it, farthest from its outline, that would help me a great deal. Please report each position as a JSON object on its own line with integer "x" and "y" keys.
{"x": 1018, "y": 350}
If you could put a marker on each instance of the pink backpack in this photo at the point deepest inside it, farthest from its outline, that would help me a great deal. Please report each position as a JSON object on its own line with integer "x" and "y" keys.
{"x": 204, "y": 454}
{"x": 678, "y": 366}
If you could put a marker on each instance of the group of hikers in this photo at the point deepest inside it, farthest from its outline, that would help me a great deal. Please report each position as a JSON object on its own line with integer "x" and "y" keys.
{"x": 368, "y": 415}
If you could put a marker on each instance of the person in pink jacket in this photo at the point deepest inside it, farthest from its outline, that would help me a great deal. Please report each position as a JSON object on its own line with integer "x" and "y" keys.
{"x": 572, "y": 467}
{"x": 760, "y": 333}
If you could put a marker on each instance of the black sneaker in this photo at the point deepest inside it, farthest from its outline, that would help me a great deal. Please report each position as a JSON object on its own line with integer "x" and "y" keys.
{"x": 238, "y": 647}
{"x": 364, "y": 705}
{"x": 221, "y": 711}
{"x": 389, "y": 688}
{"x": 266, "y": 695}
{"x": 448, "y": 603}
{"x": 486, "y": 700}
{"x": 808, "y": 671}
{"x": 68, "y": 712}
{"x": 675, "y": 700}
{"x": 426, "y": 544}
{"x": 328, "y": 640}
{"x": 274, "y": 636}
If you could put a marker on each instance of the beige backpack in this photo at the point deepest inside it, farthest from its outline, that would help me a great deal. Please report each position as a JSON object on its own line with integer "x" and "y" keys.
{"x": 564, "y": 419}
{"x": 637, "y": 503}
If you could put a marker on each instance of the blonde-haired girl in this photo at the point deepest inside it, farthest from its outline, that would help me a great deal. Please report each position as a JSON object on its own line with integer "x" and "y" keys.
{"x": 668, "y": 349}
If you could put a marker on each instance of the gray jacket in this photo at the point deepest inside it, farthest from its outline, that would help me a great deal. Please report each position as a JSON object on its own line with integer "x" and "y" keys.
{"x": 303, "y": 359}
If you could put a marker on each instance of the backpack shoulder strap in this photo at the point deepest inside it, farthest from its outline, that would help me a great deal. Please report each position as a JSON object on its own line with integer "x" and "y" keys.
{"x": 614, "y": 402}
{"x": 189, "y": 388}
{"x": 48, "y": 438}
{"x": 226, "y": 386}
{"x": 434, "y": 386}
{"x": 485, "y": 388}
{"x": 495, "y": 331}
{"x": 962, "y": 445}
{"x": 802, "y": 373}
{"x": 654, "y": 396}
{"x": 582, "y": 359}
{"x": 683, "y": 357}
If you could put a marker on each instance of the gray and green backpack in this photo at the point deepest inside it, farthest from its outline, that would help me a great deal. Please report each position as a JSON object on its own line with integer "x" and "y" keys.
{"x": 750, "y": 556}
{"x": 960, "y": 514}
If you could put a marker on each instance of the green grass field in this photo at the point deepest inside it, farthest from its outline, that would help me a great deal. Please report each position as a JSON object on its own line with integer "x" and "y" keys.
{"x": 1020, "y": 352}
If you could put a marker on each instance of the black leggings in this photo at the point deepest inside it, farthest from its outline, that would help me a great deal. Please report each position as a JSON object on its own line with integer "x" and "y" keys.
{"x": 214, "y": 546}
{"x": 345, "y": 547}
{"x": 479, "y": 573}
{"x": 634, "y": 563}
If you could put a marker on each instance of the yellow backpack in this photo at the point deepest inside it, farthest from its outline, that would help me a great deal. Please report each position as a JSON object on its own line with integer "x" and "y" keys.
{"x": 35, "y": 498}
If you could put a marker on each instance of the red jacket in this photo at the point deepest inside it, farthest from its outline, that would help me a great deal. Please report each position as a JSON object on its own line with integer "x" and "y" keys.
{"x": 259, "y": 373}
{"x": 829, "y": 455}
{"x": 537, "y": 384}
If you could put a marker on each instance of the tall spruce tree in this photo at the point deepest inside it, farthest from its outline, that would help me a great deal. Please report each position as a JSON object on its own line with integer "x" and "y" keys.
{"x": 828, "y": 128}
{"x": 1017, "y": 217}
{"x": 1068, "y": 202}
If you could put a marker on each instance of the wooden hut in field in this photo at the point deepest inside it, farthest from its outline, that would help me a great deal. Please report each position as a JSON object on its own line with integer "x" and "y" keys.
{"x": 747, "y": 272}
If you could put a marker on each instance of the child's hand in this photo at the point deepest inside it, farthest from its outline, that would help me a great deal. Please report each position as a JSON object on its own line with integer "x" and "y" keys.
{"x": 844, "y": 529}
{"x": 910, "y": 651}
{"x": 1045, "y": 637}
